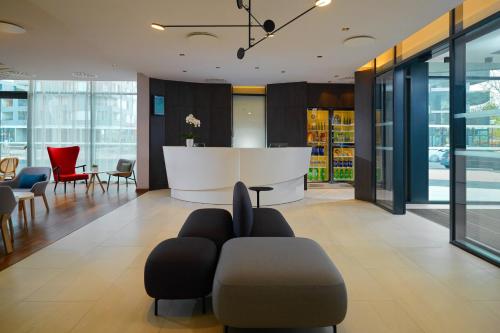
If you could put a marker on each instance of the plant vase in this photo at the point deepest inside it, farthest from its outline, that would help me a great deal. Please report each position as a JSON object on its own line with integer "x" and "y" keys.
{"x": 189, "y": 142}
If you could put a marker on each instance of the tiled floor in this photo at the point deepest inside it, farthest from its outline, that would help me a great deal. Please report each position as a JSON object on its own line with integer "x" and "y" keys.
{"x": 401, "y": 273}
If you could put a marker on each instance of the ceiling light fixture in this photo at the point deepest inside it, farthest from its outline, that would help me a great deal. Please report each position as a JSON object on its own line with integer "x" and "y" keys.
{"x": 157, "y": 26}
{"x": 362, "y": 40}
{"x": 322, "y": 3}
{"x": 268, "y": 26}
{"x": 11, "y": 28}
{"x": 346, "y": 29}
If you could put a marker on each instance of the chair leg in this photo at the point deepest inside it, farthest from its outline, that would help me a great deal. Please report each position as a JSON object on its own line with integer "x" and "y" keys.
{"x": 74, "y": 184}
{"x": 44, "y": 197}
{"x": 203, "y": 305}
{"x": 109, "y": 179}
{"x": 7, "y": 243}
{"x": 86, "y": 183}
{"x": 32, "y": 208}
{"x": 11, "y": 226}
{"x": 126, "y": 181}
{"x": 118, "y": 187}
{"x": 55, "y": 186}
{"x": 156, "y": 306}
{"x": 226, "y": 329}
{"x": 334, "y": 328}
{"x": 135, "y": 179}
{"x": 64, "y": 187}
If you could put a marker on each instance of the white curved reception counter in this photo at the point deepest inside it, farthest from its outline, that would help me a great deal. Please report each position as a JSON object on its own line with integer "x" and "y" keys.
{"x": 207, "y": 175}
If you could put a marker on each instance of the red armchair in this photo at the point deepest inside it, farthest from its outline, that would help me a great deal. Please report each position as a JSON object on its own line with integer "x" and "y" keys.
{"x": 63, "y": 162}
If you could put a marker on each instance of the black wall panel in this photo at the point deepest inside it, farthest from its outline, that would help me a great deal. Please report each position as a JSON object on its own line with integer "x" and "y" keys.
{"x": 330, "y": 95}
{"x": 364, "y": 161}
{"x": 286, "y": 116}
{"x": 211, "y": 103}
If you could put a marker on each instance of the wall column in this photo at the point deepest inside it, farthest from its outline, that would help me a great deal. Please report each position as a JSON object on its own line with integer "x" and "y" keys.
{"x": 142, "y": 166}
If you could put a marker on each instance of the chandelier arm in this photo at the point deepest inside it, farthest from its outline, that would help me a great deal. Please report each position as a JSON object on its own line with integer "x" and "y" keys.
{"x": 294, "y": 19}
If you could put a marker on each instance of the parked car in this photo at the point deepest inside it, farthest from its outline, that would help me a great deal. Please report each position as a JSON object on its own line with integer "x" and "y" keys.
{"x": 445, "y": 159}
{"x": 435, "y": 155}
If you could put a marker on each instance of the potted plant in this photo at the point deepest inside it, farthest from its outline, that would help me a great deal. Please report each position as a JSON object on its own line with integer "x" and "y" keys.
{"x": 192, "y": 123}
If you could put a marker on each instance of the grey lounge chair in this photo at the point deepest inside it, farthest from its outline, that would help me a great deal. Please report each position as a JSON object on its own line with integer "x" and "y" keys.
{"x": 124, "y": 169}
{"x": 38, "y": 189}
{"x": 7, "y": 205}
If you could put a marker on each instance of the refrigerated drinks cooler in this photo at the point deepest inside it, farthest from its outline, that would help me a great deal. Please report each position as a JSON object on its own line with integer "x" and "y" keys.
{"x": 330, "y": 133}
{"x": 343, "y": 145}
{"x": 318, "y": 137}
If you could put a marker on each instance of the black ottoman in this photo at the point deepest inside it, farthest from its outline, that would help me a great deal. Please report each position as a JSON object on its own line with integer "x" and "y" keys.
{"x": 181, "y": 268}
{"x": 213, "y": 223}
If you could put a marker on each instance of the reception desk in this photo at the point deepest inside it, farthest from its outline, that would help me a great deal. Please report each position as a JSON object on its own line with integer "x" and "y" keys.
{"x": 207, "y": 175}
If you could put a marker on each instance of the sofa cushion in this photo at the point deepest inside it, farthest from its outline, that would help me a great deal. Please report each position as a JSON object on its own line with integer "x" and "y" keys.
{"x": 269, "y": 222}
{"x": 27, "y": 181}
{"x": 269, "y": 282}
{"x": 213, "y": 223}
{"x": 242, "y": 211}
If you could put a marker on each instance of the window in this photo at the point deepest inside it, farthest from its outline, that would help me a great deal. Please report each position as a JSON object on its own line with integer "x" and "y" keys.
{"x": 477, "y": 151}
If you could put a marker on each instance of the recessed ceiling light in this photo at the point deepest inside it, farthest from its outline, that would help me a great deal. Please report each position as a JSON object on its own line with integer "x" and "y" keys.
{"x": 362, "y": 40}
{"x": 217, "y": 67}
{"x": 322, "y": 3}
{"x": 184, "y": 71}
{"x": 181, "y": 54}
{"x": 346, "y": 29}
{"x": 157, "y": 26}
{"x": 283, "y": 72}
{"x": 257, "y": 67}
{"x": 249, "y": 113}
{"x": 336, "y": 75}
{"x": 11, "y": 28}
{"x": 329, "y": 81}
{"x": 319, "y": 56}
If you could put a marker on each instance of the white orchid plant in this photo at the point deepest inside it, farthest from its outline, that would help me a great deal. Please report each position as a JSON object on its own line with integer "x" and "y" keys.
{"x": 193, "y": 123}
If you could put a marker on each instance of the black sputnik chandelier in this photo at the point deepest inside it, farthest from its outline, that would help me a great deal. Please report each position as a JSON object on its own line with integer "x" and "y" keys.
{"x": 268, "y": 26}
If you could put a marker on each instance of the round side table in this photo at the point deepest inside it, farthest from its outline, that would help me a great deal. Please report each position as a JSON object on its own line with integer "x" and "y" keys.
{"x": 259, "y": 189}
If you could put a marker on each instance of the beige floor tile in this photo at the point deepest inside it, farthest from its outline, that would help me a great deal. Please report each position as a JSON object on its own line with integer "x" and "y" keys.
{"x": 42, "y": 317}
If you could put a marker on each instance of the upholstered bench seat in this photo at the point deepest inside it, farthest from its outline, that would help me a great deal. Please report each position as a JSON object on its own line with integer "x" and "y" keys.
{"x": 276, "y": 282}
{"x": 180, "y": 268}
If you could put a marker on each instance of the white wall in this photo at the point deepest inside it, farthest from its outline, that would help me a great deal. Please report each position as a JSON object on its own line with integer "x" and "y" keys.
{"x": 142, "y": 131}
{"x": 249, "y": 121}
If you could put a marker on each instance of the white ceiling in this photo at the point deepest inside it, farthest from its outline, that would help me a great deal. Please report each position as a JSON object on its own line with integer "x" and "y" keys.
{"x": 112, "y": 38}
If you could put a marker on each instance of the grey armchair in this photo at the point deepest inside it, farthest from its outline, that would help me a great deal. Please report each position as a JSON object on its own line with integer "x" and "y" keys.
{"x": 7, "y": 205}
{"x": 124, "y": 169}
{"x": 38, "y": 189}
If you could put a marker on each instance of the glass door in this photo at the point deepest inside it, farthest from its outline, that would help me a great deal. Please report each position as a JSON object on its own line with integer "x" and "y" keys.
{"x": 384, "y": 131}
{"x": 476, "y": 143}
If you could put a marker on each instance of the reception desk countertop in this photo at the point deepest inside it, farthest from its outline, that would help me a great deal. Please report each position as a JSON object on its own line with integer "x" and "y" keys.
{"x": 207, "y": 175}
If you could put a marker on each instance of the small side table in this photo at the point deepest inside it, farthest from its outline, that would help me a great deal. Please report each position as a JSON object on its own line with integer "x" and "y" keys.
{"x": 258, "y": 189}
{"x": 93, "y": 175}
{"x": 21, "y": 198}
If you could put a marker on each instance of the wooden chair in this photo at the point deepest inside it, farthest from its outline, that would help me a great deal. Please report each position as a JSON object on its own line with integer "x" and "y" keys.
{"x": 124, "y": 169}
{"x": 7, "y": 205}
{"x": 8, "y": 168}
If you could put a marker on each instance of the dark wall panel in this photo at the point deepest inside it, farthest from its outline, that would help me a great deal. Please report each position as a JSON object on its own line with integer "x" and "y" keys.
{"x": 211, "y": 103}
{"x": 286, "y": 116}
{"x": 157, "y": 174}
{"x": 364, "y": 163}
{"x": 330, "y": 95}
{"x": 418, "y": 136}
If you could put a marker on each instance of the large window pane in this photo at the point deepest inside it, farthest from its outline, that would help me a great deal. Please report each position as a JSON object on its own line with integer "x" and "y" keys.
{"x": 61, "y": 118}
{"x": 384, "y": 130}
{"x": 477, "y": 188}
{"x": 115, "y": 122}
{"x": 439, "y": 127}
